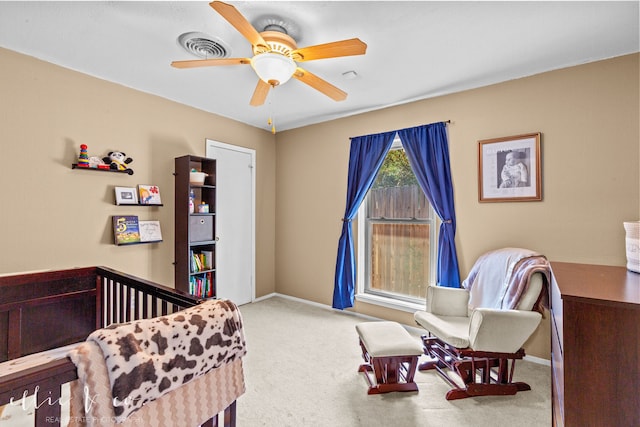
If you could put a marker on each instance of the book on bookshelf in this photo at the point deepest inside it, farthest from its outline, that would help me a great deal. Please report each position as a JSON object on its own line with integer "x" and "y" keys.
{"x": 202, "y": 285}
{"x": 149, "y": 194}
{"x": 150, "y": 231}
{"x": 126, "y": 230}
{"x": 193, "y": 259}
{"x": 208, "y": 260}
{"x": 201, "y": 261}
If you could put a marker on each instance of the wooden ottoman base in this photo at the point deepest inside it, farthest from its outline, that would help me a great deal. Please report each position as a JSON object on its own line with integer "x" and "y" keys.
{"x": 390, "y": 355}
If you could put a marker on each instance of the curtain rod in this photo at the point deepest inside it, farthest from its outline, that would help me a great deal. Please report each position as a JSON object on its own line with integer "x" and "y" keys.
{"x": 397, "y": 130}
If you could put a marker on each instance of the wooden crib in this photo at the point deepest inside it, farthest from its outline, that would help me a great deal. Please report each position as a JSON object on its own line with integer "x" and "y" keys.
{"x": 40, "y": 312}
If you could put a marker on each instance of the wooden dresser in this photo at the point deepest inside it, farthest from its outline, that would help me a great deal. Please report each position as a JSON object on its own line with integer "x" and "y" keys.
{"x": 595, "y": 345}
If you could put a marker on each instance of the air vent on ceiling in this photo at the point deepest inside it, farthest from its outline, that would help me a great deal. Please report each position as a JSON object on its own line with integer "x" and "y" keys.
{"x": 204, "y": 46}
{"x": 276, "y": 23}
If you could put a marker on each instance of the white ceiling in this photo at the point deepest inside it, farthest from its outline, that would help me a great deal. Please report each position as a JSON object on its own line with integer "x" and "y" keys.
{"x": 416, "y": 49}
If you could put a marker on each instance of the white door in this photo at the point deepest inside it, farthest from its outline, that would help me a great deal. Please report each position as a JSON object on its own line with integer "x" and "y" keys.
{"x": 235, "y": 224}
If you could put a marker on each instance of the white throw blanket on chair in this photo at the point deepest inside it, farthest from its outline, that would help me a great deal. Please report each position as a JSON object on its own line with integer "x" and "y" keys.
{"x": 503, "y": 275}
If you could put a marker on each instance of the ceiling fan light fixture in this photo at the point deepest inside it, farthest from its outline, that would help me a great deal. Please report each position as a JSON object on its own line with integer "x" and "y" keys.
{"x": 273, "y": 68}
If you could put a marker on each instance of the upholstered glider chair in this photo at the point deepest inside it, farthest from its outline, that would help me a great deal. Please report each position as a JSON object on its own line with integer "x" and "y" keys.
{"x": 476, "y": 333}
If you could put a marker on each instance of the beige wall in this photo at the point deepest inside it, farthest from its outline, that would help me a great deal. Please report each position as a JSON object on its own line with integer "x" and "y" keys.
{"x": 588, "y": 117}
{"x": 53, "y": 217}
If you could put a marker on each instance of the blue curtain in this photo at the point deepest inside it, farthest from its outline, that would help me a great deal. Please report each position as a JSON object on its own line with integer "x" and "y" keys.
{"x": 366, "y": 156}
{"x": 428, "y": 152}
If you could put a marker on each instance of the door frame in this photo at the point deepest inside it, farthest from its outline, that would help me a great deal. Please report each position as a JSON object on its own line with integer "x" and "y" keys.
{"x": 211, "y": 144}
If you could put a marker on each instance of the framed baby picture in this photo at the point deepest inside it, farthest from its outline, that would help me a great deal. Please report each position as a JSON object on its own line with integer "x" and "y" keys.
{"x": 509, "y": 169}
{"x": 126, "y": 196}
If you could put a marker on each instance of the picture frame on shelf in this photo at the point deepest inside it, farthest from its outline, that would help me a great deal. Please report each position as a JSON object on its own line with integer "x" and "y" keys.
{"x": 149, "y": 194}
{"x": 126, "y": 196}
{"x": 150, "y": 231}
{"x": 509, "y": 169}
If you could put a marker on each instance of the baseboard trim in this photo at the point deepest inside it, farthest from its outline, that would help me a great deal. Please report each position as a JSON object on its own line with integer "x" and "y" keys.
{"x": 417, "y": 330}
{"x": 538, "y": 360}
{"x": 265, "y": 297}
{"x": 315, "y": 304}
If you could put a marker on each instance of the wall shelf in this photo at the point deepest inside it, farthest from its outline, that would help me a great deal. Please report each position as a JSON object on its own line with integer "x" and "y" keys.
{"x": 139, "y": 204}
{"x": 127, "y": 171}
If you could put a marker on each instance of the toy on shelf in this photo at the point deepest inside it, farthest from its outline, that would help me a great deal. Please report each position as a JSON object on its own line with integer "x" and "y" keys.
{"x": 117, "y": 160}
{"x": 83, "y": 158}
{"x": 97, "y": 163}
{"x": 94, "y": 162}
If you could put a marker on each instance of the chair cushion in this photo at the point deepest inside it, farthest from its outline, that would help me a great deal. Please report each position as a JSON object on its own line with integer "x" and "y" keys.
{"x": 502, "y": 331}
{"x": 447, "y": 301}
{"x": 454, "y": 330}
{"x": 530, "y": 296}
{"x": 384, "y": 339}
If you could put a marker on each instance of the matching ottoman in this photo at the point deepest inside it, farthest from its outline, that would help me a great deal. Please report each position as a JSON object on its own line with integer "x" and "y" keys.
{"x": 391, "y": 353}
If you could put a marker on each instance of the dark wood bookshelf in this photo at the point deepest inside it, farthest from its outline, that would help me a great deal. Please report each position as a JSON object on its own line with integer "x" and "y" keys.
{"x": 194, "y": 232}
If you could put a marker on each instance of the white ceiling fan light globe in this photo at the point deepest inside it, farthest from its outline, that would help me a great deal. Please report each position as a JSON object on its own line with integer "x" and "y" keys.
{"x": 273, "y": 68}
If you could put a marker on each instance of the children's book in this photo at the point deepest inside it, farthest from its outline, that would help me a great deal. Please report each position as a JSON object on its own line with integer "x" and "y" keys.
{"x": 149, "y": 195}
{"x": 150, "y": 231}
{"x": 126, "y": 230}
{"x": 207, "y": 257}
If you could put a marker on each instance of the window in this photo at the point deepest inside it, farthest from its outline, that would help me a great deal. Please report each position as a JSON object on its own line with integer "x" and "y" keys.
{"x": 396, "y": 237}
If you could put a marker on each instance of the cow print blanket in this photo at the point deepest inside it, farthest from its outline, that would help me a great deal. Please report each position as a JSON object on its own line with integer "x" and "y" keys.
{"x": 148, "y": 358}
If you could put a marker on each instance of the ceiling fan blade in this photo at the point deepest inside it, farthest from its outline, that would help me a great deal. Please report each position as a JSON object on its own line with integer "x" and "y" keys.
{"x": 239, "y": 22}
{"x": 260, "y": 94}
{"x": 330, "y": 50}
{"x": 210, "y": 62}
{"x": 319, "y": 84}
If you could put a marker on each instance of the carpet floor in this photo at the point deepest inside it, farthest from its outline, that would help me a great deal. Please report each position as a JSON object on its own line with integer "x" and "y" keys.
{"x": 302, "y": 370}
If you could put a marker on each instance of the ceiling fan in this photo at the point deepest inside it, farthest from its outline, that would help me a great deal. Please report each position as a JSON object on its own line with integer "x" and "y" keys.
{"x": 275, "y": 57}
